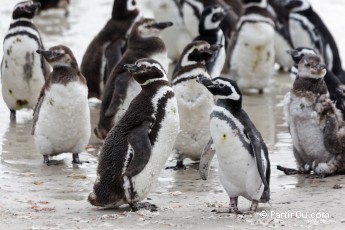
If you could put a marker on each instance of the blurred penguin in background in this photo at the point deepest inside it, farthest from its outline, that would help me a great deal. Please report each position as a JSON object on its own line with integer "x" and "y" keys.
{"x": 23, "y": 71}
{"x": 251, "y": 53}
{"x": 123, "y": 16}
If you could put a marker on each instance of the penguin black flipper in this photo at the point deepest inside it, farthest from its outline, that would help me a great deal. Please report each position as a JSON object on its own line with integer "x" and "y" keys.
{"x": 140, "y": 142}
{"x": 256, "y": 144}
{"x": 113, "y": 54}
{"x": 205, "y": 160}
{"x": 266, "y": 194}
{"x": 119, "y": 93}
{"x": 38, "y": 106}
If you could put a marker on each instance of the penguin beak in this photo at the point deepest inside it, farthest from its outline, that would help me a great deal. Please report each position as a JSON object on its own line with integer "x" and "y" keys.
{"x": 32, "y": 7}
{"x": 45, "y": 53}
{"x": 132, "y": 68}
{"x": 205, "y": 81}
{"x": 215, "y": 47}
{"x": 162, "y": 25}
{"x": 292, "y": 52}
{"x": 320, "y": 67}
{"x": 219, "y": 15}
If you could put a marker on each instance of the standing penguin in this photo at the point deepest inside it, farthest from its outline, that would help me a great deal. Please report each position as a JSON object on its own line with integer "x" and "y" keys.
{"x": 308, "y": 30}
{"x": 138, "y": 146}
{"x": 334, "y": 86}
{"x": 244, "y": 166}
{"x": 210, "y": 31}
{"x": 120, "y": 89}
{"x": 193, "y": 100}
{"x": 23, "y": 71}
{"x": 62, "y": 115}
{"x": 308, "y": 111}
{"x": 123, "y": 16}
{"x": 252, "y": 49}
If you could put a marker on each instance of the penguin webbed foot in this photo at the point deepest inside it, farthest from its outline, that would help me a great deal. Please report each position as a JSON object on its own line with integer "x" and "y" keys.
{"x": 49, "y": 162}
{"x": 76, "y": 159}
{"x": 232, "y": 209}
{"x": 143, "y": 205}
{"x": 179, "y": 166}
{"x": 289, "y": 171}
{"x": 12, "y": 115}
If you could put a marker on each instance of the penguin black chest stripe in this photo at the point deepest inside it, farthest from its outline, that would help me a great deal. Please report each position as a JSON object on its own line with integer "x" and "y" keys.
{"x": 22, "y": 23}
{"x": 159, "y": 115}
{"x": 220, "y": 115}
{"x": 25, "y": 28}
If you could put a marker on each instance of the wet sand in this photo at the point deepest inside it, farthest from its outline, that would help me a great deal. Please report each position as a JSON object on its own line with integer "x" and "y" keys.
{"x": 34, "y": 196}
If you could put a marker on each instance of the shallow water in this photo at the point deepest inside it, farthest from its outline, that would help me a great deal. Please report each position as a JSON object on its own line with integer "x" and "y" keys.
{"x": 36, "y": 196}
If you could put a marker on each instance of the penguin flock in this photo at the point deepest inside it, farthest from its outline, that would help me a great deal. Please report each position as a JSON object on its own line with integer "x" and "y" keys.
{"x": 180, "y": 94}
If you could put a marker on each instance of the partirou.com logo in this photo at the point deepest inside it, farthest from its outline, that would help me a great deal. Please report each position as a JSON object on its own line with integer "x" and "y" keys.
{"x": 294, "y": 214}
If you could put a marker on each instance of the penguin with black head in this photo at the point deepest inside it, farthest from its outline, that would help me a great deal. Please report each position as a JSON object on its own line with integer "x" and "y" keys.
{"x": 121, "y": 88}
{"x": 138, "y": 146}
{"x": 244, "y": 166}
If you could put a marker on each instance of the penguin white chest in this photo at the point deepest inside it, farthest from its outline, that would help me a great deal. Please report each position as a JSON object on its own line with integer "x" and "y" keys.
{"x": 22, "y": 75}
{"x": 194, "y": 105}
{"x": 305, "y": 130}
{"x": 163, "y": 144}
{"x": 132, "y": 91}
{"x": 252, "y": 59}
{"x": 63, "y": 123}
{"x": 237, "y": 167}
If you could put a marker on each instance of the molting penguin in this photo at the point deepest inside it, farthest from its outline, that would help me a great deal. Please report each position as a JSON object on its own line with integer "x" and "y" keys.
{"x": 334, "y": 86}
{"x": 137, "y": 147}
{"x": 308, "y": 30}
{"x": 311, "y": 117}
{"x": 123, "y": 16}
{"x": 120, "y": 89}
{"x": 244, "y": 166}
{"x": 193, "y": 100}
{"x": 23, "y": 71}
{"x": 62, "y": 115}
{"x": 210, "y": 31}
{"x": 252, "y": 48}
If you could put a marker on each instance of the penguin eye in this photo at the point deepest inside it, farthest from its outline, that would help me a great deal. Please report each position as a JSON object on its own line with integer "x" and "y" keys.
{"x": 134, "y": 3}
{"x": 307, "y": 65}
{"x": 149, "y": 67}
{"x": 221, "y": 85}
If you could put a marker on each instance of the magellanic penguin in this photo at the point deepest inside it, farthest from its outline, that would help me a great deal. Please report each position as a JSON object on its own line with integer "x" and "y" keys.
{"x": 193, "y": 100}
{"x": 251, "y": 50}
{"x": 244, "y": 166}
{"x": 23, "y": 71}
{"x": 121, "y": 88}
{"x": 137, "y": 147}
{"x": 210, "y": 31}
{"x": 62, "y": 115}
{"x": 311, "y": 117}
{"x": 308, "y": 30}
{"x": 336, "y": 90}
{"x": 53, "y": 4}
{"x": 124, "y": 14}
